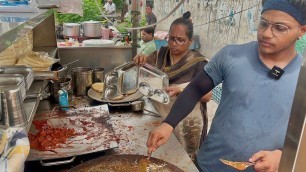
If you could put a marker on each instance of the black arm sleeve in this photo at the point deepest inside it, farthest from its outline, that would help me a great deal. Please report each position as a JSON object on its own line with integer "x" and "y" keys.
{"x": 186, "y": 101}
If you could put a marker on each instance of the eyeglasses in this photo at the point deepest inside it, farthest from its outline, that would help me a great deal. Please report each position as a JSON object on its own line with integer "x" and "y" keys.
{"x": 177, "y": 40}
{"x": 277, "y": 29}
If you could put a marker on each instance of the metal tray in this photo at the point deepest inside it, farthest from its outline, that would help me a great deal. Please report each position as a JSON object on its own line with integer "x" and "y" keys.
{"x": 27, "y": 72}
{"x": 123, "y": 80}
{"x": 128, "y": 78}
{"x": 11, "y": 81}
{"x": 99, "y": 97}
{"x": 95, "y": 133}
{"x": 151, "y": 83}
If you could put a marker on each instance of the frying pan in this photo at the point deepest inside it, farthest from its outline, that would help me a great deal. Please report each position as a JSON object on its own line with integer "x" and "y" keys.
{"x": 123, "y": 163}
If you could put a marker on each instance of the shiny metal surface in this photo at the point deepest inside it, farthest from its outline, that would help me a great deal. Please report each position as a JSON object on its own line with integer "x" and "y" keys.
{"x": 98, "y": 74}
{"x": 30, "y": 105}
{"x": 111, "y": 78}
{"x": 99, "y": 97}
{"x": 294, "y": 151}
{"x": 106, "y": 57}
{"x": 152, "y": 82}
{"x": 111, "y": 91}
{"x": 128, "y": 78}
{"x": 92, "y": 29}
{"x": 27, "y": 73}
{"x": 71, "y": 29}
{"x": 82, "y": 79}
{"x": 92, "y": 129}
{"x": 133, "y": 130}
{"x": 59, "y": 84}
{"x": 13, "y": 80}
{"x": 12, "y": 111}
{"x": 43, "y": 75}
{"x": 11, "y": 30}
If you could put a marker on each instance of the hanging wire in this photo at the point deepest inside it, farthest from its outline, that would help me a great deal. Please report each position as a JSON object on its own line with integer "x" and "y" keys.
{"x": 143, "y": 27}
{"x": 226, "y": 16}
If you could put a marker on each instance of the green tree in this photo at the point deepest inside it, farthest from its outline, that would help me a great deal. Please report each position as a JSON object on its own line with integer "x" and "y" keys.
{"x": 90, "y": 12}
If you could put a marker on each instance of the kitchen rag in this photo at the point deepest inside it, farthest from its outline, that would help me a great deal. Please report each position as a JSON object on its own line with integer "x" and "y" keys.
{"x": 14, "y": 149}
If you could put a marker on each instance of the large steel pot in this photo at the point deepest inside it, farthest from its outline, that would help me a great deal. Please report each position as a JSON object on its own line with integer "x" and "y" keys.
{"x": 92, "y": 29}
{"x": 71, "y": 29}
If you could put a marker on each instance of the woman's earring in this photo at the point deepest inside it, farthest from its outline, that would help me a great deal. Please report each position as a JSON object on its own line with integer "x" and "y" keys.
{"x": 299, "y": 38}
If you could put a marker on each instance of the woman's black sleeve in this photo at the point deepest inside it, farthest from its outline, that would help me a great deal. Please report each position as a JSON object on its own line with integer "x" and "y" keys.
{"x": 186, "y": 101}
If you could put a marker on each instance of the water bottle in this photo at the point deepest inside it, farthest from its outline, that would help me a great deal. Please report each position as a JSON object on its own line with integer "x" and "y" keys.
{"x": 63, "y": 99}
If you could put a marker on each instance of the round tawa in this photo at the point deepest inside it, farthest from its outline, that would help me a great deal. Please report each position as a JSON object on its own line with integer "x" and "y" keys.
{"x": 125, "y": 163}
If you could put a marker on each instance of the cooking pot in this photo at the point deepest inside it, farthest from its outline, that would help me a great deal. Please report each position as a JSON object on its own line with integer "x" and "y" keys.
{"x": 71, "y": 29}
{"x": 92, "y": 29}
{"x": 61, "y": 69}
{"x": 55, "y": 85}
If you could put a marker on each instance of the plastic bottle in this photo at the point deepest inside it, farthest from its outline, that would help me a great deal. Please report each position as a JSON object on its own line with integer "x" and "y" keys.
{"x": 63, "y": 99}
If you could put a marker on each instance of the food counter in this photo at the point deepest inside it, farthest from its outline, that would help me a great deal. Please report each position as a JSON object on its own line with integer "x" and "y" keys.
{"x": 132, "y": 129}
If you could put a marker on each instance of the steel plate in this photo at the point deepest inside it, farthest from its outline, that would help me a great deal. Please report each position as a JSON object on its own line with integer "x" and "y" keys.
{"x": 124, "y": 163}
{"x": 99, "y": 97}
{"x": 93, "y": 132}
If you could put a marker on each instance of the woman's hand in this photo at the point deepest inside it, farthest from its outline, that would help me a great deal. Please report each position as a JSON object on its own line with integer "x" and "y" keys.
{"x": 140, "y": 59}
{"x": 266, "y": 161}
{"x": 173, "y": 90}
{"x": 158, "y": 137}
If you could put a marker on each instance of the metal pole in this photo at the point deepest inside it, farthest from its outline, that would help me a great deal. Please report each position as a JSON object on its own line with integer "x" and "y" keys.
{"x": 294, "y": 151}
{"x": 135, "y": 16}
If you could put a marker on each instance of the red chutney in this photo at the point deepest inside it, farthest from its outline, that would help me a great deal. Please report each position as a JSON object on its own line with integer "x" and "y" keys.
{"x": 48, "y": 137}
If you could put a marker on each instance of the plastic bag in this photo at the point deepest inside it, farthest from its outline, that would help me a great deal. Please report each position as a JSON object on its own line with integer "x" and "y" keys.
{"x": 71, "y": 6}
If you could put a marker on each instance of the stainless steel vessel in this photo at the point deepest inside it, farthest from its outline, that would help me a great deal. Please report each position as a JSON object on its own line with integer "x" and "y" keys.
{"x": 92, "y": 29}
{"x": 152, "y": 83}
{"x": 27, "y": 72}
{"x": 71, "y": 29}
{"x": 8, "y": 81}
{"x": 98, "y": 74}
{"x": 11, "y": 107}
{"x": 82, "y": 79}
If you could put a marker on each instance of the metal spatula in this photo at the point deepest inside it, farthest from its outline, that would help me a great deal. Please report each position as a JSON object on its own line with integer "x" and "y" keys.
{"x": 237, "y": 165}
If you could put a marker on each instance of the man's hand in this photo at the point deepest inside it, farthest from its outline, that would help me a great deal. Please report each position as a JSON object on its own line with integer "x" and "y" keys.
{"x": 158, "y": 137}
{"x": 173, "y": 90}
{"x": 266, "y": 161}
{"x": 140, "y": 59}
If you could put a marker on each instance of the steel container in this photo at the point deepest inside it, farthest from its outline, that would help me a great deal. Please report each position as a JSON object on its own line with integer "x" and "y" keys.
{"x": 11, "y": 107}
{"x": 27, "y": 72}
{"x": 82, "y": 79}
{"x": 98, "y": 75}
{"x": 92, "y": 29}
{"x": 71, "y": 29}
{"x": 13, "y": 80}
